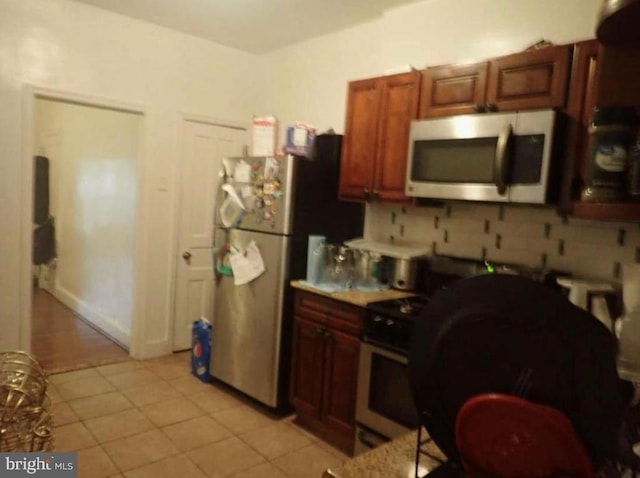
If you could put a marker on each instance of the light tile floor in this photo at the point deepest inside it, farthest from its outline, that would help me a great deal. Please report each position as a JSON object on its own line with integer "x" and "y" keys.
{"x": 139, "y": 419}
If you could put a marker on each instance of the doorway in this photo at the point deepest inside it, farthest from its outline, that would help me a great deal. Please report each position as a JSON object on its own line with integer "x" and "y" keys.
{"x": 84, "y": 230}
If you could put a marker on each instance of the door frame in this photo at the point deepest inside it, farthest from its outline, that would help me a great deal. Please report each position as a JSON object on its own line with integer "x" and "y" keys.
{"x": 30, "y": 94}
{"x": 175, "y": 239}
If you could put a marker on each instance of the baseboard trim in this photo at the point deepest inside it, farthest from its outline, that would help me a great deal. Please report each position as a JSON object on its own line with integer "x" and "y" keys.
{"x": 105, "y": 324}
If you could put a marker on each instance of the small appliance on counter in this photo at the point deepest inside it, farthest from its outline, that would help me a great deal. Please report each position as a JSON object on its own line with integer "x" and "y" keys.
{"x": 403, "y": 265}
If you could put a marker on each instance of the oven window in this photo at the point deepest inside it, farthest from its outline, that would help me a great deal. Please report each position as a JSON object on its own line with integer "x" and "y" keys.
{"x": 389, "y": 392}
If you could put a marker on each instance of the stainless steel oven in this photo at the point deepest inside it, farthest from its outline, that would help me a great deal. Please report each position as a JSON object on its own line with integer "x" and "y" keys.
{"x": 384, "y": 406}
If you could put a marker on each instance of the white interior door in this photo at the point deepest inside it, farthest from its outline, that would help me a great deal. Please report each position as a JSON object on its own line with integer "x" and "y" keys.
{"x": 204, "y": 146}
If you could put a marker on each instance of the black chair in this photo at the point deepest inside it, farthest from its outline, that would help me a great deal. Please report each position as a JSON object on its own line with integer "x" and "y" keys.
{"x": 510, "y": 335}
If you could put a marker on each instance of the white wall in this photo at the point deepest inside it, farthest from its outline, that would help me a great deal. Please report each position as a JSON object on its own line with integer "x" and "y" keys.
{"x": 71, "y": 47}
{"x": 94, "y": 194}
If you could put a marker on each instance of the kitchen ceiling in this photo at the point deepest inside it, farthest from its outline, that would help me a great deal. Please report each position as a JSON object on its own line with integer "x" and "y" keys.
{"x": 254, "y": 26}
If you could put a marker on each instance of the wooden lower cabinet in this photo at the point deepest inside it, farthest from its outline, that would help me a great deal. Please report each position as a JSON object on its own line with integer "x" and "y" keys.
{"x": 308, "y": 368}
{"x": 340, "y": 381}
{"x": 324, "y": 370}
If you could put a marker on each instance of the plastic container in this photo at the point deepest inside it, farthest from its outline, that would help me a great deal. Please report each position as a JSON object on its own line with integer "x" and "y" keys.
{"x": 612, "y": 130}
{"x": 316, "y": 256}
{"x": 201, "y": 348}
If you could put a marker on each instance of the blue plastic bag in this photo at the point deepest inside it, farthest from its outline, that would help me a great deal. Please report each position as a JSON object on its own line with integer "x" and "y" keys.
{"x": 201, "y": 348}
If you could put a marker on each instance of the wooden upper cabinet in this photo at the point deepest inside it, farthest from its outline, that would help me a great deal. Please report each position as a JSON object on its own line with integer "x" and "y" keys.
{"x": 359, "y": 144}
{"x": 533, "y": 79}
{"x": 529, "y": 80}
{"x": 399, "y": 106}
{"x": 452, "y": 90}
{"x": 376, "y": 139}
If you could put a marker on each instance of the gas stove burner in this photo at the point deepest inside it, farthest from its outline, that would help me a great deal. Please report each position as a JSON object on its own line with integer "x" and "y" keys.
{"x": 407, "y": 307}
{"x": 401, "y": 309}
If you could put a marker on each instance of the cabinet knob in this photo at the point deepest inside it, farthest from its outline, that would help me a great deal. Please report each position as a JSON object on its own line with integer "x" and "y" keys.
{"x": 479, "y": 108}
{"x": 492, "y": 107}
{"x": 186, "y": 255}
{"x": 319, "y": 331}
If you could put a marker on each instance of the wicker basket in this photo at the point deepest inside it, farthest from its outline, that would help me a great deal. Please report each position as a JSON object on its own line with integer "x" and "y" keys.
{"x": 25, "y": 421}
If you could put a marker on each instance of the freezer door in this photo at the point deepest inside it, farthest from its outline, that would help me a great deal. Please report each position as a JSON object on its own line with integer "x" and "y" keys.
{"x": 247, "y": 319}
{"x": 265, "y": 185}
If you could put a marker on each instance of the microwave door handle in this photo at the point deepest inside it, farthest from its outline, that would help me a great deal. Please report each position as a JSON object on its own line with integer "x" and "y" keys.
{"x": 501, "y": 161}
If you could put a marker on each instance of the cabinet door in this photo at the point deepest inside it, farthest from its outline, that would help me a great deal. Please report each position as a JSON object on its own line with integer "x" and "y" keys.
{"x": 340, "y": 381}
{"x": 453, "y": 90}
{"x": 582, "y": 101}
{"x": 305, "y": 391}
{"x": 529, "y": 80}
{"x": 359, "y": 143}
{"x": 400, "y": 96}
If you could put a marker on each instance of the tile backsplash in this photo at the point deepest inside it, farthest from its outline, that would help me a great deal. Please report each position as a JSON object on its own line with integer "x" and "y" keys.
{"x": 533, "y": 236}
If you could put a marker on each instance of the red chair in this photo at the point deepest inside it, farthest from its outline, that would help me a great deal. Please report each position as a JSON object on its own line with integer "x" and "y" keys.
{"x": 503, "y": 436}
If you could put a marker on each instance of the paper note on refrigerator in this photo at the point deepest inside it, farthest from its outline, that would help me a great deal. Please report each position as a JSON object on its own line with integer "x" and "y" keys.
{"x": 242, "y": 174}
{"x": 248, "y": 266}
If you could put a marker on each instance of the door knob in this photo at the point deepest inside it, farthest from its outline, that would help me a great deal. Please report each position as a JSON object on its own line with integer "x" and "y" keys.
{"x": 186, "y": 255}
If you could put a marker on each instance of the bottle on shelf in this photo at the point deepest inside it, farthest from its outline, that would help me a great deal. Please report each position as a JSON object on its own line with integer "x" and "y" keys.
{"x": 612, "y": 131}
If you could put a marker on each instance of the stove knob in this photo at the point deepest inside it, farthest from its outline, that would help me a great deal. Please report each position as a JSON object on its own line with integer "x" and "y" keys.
{"x": 390, "y": 322}
{"x": 377, "y": 319}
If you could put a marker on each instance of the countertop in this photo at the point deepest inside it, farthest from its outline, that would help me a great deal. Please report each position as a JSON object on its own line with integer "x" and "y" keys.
{"x": 355, "y": 297}
{"x": 395, "y": 459}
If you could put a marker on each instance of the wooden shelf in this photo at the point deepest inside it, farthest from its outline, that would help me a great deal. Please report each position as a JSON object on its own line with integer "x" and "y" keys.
{"x": 623, "y": 211}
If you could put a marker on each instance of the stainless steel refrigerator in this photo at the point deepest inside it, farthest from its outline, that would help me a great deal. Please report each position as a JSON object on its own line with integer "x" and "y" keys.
{"x": 286, "y": 198}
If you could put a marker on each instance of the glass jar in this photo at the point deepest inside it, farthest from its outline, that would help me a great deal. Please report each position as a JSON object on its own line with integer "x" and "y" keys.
{"x": 611, "y": 133}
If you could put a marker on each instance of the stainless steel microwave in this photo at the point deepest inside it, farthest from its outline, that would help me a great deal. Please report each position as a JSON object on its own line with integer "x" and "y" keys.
{"x": 502, "y": 157}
